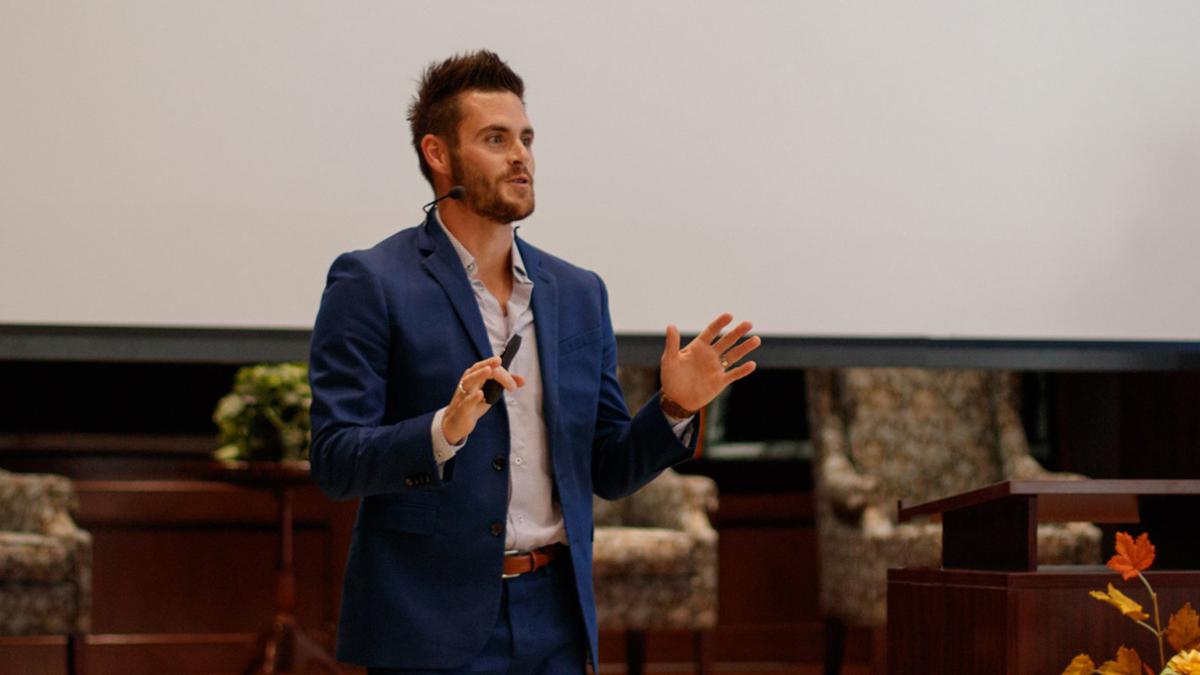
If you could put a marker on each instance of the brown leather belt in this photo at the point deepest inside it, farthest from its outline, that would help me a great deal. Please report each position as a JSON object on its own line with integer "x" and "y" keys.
{"x": 518, "y": 563}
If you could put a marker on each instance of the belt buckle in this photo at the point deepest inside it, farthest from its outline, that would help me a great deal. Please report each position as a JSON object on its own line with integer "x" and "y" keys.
{"x": 512, "y": 552}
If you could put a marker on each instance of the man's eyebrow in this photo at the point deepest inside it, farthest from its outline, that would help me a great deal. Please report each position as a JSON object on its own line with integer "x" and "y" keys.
{"x": 527, "y": 131}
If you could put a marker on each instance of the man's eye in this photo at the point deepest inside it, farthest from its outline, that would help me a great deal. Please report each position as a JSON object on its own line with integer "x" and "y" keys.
{"x": 528, "y": 141}
{"x": 494, "y": 139}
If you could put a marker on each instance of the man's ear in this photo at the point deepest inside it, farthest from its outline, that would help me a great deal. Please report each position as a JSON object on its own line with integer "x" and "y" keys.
{"x": 437, "y": 153}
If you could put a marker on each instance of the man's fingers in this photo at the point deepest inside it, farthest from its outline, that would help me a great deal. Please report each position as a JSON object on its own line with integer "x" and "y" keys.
{"x": 739, "y": 352}
{"x": 710, "y": 332}
{"x": 672, "y": 345}
{"x": 739, "y": 372}
{"x": 504, "y": 377}
{"x": 474, "y": 379}
{"x": 476, "y": 367}
{"x": 730, "y": 339}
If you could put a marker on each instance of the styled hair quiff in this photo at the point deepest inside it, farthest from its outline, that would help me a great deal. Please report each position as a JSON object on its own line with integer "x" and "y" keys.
{"x": 435, "y": 110}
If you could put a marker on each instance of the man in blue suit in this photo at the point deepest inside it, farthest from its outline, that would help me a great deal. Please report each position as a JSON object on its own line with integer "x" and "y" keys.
{"x": 472, "y": 549}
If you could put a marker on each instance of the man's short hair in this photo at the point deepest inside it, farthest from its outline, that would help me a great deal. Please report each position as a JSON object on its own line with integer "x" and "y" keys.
{"x": 435, "y": 110}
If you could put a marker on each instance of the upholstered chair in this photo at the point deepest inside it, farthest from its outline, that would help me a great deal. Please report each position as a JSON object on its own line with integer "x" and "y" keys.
{"x": 884, "y": 434}
{"x": 45, "y": 560}
{"x": 655, "y": 555}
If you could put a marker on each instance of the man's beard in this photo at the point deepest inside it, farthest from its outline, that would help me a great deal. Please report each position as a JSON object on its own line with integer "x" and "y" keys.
{"x": 483, "y": 195}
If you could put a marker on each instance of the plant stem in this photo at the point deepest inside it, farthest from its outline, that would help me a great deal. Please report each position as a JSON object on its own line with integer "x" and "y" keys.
{"x": 1162, "y": 657}
{"x": 1147, "y": 626}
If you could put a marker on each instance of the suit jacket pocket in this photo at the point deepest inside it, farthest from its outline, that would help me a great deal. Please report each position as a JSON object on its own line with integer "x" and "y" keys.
{"x": 408, "y": 518}
{"x": 578, "y": 341}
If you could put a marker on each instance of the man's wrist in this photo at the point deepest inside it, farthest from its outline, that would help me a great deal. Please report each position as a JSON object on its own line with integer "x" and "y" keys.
{"x": 673, "y": 409}
{"x": 443, "y": 449}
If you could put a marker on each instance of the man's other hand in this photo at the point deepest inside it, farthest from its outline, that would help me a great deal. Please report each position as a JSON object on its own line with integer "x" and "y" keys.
{"x": 467, "y": 405}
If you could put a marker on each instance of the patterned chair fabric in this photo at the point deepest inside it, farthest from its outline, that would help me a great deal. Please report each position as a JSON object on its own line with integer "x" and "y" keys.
{"x": 883, "y": 434}
{"x": 45, "y": 559}
{"x": 655, "y": 554}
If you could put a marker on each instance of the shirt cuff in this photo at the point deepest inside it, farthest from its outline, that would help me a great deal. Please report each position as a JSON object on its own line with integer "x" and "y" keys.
{"x": 682, "y": 428}
{"x": 442, "y": 450}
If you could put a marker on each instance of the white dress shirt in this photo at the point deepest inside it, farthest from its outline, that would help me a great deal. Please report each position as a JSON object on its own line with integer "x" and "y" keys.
{"x": 534, "y": 516}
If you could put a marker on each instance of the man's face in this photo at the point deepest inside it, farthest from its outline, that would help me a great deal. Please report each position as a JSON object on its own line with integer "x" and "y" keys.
{"x": 494, "y": 156}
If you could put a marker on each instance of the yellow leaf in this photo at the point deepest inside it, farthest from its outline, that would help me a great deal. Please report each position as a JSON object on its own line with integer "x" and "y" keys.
{"x": 1122, "y": 602}
{"x": 1183, "y": 630}
{"x": 1186, "y": 663}
{"x": 1128, "y": 663}
{"x": 1080, "y": 665}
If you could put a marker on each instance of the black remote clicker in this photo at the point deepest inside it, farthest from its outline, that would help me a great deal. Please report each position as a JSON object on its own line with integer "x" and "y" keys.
{"x": 492, "y": 388}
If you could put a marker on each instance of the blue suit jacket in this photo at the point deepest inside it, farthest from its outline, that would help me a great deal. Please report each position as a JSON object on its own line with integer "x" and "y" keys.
{"x": 397, "y": 327}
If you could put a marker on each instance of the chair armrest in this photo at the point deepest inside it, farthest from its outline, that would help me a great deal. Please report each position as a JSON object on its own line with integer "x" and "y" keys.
{"x": 672, "y": 502}
{"x": 848, "y": 490}
{"x": 698, "y": 505}
{"x": 34, "y": 502}
{"x": 1027, "y": 468}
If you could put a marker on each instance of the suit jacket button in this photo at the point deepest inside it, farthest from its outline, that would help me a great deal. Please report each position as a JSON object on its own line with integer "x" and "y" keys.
{"x": 408, "y": 482}
{"x": 497, "y": 529}
{"x": 498, "y": 463}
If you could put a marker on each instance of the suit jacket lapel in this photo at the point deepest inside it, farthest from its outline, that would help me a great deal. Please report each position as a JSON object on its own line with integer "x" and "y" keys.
{"x": 443, "y": 264}
{"x": 545, "y": 317}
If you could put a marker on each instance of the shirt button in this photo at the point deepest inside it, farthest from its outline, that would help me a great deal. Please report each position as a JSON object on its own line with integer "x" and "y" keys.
{"x": 518, "y": 461}
{"x": 512, "y": 401}
{"x": 497, "y": 529}
{"x": 498, "y": 463}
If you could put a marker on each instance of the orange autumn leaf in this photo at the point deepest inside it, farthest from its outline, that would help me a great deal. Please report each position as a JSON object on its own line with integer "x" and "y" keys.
{"x": 1183, "y": 630}
{"x": 1080, "y": 665}
{"x": 1128, "y": 663}
{"x": 1132, "y": 556}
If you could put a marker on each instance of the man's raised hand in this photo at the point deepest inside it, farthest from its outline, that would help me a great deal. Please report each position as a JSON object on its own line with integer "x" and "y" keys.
{"x": 694, "y": 375}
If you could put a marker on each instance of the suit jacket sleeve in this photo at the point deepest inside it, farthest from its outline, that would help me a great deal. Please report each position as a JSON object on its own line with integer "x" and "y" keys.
{"x": 629, "y": 452}
{"x": 354, "y": 453}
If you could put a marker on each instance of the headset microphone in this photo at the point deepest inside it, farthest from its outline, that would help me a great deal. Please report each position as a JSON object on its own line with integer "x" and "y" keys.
{"x": 456, "y": 192}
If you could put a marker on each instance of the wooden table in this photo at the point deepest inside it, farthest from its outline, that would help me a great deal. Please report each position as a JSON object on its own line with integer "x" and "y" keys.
{"x": 285, "y": 647}
{"x": 991, "y": 610}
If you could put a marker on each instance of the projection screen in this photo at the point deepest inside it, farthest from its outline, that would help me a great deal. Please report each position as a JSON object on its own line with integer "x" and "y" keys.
{"x": 1008, "y": 170}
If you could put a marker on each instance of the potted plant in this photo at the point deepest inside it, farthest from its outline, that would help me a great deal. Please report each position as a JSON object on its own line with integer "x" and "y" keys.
{"x": 266, "y": 415}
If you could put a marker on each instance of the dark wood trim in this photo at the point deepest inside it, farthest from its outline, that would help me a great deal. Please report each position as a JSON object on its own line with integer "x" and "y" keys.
{"x": 147, "y": 503}
{"x": 108, "y": 443}
{"x": 28, "y": 342}
{"x": 33, "y": 655}
{"x": 32, "y": 641}
{"x": 143, "y": 639}
{"x": 147, "y": 653}
{"x": 1047, "y": 576}
{"x": 1047, "y": 490}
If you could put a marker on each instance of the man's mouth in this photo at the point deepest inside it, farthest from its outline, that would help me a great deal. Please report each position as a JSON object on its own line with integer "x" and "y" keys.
{"x": 520, "y": 180}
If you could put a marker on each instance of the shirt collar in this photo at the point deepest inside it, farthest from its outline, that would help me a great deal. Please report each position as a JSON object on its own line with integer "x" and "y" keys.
{"x": 468, "y": 260}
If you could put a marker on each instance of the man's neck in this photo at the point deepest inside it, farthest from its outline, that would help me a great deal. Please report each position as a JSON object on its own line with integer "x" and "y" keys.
{"x": 489, "y": 242}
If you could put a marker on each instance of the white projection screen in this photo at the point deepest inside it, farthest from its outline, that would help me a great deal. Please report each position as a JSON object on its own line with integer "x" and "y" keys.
{"x": 1008, "y": 170}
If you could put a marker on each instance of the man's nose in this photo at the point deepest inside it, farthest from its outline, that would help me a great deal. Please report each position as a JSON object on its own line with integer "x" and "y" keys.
{"x": 520, "y": 153}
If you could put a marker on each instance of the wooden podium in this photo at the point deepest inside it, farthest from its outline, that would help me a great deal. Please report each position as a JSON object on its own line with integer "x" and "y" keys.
{"x": 991, "y": 610}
